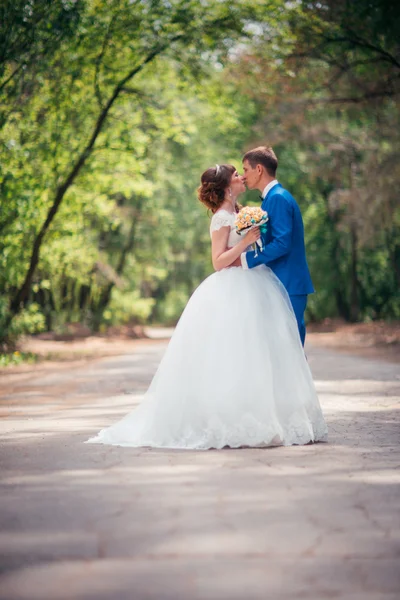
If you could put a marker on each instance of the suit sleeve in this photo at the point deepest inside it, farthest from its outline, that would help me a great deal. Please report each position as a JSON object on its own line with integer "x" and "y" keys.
{"x": 281, "y": 223}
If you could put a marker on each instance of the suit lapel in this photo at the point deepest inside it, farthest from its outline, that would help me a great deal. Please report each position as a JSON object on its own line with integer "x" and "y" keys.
{"x": 278, "y": 185}
{"x": 265, "y": 201}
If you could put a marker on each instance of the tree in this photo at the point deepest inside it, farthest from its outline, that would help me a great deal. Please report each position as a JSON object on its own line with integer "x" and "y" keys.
{"x": 358, "y": 41}
{"x": 327, "y": 101}
{"x": 114, "y": 44}
{"x": 31, "y": 31}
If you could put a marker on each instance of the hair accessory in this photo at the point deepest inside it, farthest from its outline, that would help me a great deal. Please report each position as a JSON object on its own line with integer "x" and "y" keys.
{"x": 217, "y": 168}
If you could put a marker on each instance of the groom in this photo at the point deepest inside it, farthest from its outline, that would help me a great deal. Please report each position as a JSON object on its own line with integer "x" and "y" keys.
{"x": 284, "y": 250}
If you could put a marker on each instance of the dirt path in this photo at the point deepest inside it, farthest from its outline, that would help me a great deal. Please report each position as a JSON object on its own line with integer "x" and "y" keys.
{"x": 82, "y": 521}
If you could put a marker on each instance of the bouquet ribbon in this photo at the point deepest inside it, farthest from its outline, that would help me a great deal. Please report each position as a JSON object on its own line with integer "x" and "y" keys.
{"x": 263, "y": 230}
{"x": 250, "y": 217}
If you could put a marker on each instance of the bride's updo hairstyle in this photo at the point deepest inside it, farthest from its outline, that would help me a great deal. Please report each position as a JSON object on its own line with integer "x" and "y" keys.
{"x": 214, "y": 182}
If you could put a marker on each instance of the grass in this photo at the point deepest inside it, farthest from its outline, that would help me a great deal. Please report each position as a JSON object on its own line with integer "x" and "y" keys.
{"x": 10, "y": 359}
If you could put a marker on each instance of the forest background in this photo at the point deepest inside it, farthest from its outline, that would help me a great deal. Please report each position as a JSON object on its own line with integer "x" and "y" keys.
{"x": 111, "y": 109}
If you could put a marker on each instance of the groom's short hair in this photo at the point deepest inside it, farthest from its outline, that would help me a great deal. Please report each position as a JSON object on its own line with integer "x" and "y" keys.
{"x": 265, "y": 156}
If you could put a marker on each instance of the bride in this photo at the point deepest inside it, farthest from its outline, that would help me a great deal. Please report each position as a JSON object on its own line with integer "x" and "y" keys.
{"x": 234, "y": 373}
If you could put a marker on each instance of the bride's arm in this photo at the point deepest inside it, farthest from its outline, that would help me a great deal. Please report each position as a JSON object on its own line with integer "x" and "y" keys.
{"x": 222, "y": 256}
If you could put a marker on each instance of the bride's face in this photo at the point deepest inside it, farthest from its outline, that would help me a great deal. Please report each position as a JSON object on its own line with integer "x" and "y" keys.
{"x": 237, "y": 185}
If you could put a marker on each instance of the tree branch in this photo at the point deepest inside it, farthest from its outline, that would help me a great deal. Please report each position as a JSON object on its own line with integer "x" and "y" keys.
{"x": 354, "y": 99}
{"x": 355, "y": 40}
{"x": 100, "y": 58}
{"x": 13, "y": 74}
{"x": 22, "y": 293}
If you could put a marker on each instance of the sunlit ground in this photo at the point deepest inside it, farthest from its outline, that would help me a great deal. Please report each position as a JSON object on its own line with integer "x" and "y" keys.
{"x": 89, "y": 521}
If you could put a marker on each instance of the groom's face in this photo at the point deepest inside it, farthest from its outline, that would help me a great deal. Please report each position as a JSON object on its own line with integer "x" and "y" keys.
{"x": 251, "y": 176}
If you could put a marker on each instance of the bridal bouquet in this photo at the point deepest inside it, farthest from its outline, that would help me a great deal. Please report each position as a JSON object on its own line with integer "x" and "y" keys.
{"x": 249, "y": 217}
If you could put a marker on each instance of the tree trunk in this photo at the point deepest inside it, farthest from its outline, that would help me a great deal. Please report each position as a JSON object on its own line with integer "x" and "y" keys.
{"x": 395, "y": 261}
{"x": 342, "y": 305}
{"x": 20, "y": 297}
{"x": 105, "y": 296}
{"x": 354, "y": 284}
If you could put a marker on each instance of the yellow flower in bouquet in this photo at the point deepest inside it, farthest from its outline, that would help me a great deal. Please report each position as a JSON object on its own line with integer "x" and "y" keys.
{"x": 250, "y": 216}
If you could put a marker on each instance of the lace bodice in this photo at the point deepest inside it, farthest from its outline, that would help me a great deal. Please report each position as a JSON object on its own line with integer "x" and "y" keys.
{"x": 223, "y": 218}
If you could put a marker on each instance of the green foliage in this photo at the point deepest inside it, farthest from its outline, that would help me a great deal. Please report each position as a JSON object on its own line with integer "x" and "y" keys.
{"x": 11, "y": 359}
{"x": 168, "y": 89}
{"x": 29, "y": 321}
{"x": 328, "y": 103}
{"x": 127, "y": 307}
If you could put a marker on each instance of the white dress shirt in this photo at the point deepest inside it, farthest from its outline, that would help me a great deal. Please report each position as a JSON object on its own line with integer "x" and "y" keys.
{"x": 267, "y": 188}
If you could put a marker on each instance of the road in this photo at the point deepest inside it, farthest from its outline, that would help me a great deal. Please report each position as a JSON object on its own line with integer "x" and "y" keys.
{"x": 81, "y": 521}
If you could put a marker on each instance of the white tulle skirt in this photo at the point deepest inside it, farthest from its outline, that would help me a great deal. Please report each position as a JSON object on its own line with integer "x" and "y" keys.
{"x": 234, "y": 373}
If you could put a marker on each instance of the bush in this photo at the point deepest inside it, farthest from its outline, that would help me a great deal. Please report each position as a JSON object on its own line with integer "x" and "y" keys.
{"x": 127, "y": 307}
{"x": 28, "y": 321}
{"x": 8, "y": 359}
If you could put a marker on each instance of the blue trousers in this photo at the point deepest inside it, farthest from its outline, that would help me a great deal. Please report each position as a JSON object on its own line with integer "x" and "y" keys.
{"x": 299, "y": 304}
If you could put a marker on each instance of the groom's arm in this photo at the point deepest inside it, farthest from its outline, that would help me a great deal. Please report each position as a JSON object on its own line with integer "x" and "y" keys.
{"x": 281, "y": 223}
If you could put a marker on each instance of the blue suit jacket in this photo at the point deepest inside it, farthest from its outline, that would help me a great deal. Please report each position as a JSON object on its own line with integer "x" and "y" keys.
{"x": 284, "y": 250}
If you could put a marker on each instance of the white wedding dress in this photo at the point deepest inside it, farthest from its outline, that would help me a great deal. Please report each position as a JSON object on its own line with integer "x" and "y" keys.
{"x": 234, "y": 373}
